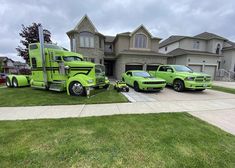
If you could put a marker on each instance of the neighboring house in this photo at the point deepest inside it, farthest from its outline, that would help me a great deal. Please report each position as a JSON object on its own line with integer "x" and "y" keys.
{"x": 7, "y": 65}
{"x": 12, "y": 67}
{"x": 125, "y": 51}
{"x": 205, "y": 52}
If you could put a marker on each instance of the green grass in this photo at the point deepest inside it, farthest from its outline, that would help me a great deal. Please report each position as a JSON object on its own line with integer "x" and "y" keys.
{"x": 35, "y": 97}
{"x": 223, "y": 89}
{"x": 153, "y": 140}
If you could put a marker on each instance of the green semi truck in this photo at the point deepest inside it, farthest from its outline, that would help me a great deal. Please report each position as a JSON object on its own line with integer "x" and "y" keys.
{"x": 55, "y": 68}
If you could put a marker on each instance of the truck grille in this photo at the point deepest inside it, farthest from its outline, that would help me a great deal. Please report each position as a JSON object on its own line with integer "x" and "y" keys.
{"x": 155, "y": 82}
{"x": 100, "y": 80}
{"x": 203, "y": 79}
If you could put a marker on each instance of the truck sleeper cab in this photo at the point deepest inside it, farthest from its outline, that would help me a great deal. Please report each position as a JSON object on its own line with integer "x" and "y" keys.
{"x": 62, "y": 71}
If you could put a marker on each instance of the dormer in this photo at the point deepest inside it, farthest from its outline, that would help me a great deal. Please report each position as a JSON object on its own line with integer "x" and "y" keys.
{"x": 142, "y": 39}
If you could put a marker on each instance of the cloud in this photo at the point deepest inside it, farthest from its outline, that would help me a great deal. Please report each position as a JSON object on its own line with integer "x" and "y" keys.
{"x": 162, "y": 17}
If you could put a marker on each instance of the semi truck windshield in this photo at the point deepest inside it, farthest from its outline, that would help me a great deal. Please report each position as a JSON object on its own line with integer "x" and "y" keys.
{"x": 71, "y": 58}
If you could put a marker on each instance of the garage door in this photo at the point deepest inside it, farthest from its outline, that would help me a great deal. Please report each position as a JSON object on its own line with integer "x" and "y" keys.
{"x": 152, "y": 67}
{"x": 134, "y": 67}
{"x": 210, "y": 70}
{"x": 196, "y": 68}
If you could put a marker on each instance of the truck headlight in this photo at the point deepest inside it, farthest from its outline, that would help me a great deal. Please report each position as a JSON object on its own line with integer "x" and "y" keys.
{"x": 190, "y": 78}
{"x": 90, "y": 81}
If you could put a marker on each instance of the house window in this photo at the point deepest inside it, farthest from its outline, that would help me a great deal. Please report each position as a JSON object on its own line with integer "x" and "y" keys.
{"x": 218, "y": 49}
{"x": 74, "y": 44}
{"x": 165, "y": 48}
{"x": 92, "y": 60}
{"x": 196, "y": 44}
{"x": 108, "y": 48}
{"x": 86, "y": 40}
{"x": 140, "y": 41}
{"x": 100, "y": 42}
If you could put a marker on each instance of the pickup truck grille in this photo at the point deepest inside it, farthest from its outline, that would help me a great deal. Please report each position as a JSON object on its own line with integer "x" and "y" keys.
{"x": 203, "y": 79}
{"x": 155, "y": 82}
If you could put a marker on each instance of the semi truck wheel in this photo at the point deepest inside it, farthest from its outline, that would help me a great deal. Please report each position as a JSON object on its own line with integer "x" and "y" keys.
{"x": 76, "y": 89}
{"x": 8, "y": 82}
{"x": 178, "y": 85}
{"x": 15, "y": 82}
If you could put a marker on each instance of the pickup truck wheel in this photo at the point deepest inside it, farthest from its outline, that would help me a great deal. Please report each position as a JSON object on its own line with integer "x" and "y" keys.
{"x": 15, "y": 82}
{"x": 76, "y": 89}
{"x": 8, "y": 82}
{"x": 136, "y": 87}
{"x": 178, "y": 85}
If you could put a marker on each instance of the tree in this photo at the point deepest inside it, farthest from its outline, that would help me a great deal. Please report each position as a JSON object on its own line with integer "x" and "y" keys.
{"x": 30, "y": 35}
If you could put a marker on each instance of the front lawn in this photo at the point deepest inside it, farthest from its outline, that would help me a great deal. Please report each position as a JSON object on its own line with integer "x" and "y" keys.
{"x": 153, "y": 140}
{"x": 223, "y": 89}
{"x": 35, "y": 97}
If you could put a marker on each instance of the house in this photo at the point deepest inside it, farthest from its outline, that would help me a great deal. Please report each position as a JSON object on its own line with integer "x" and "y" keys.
{"x": 135, "y": 50}
{"x": 12, "y": 67}
{"x": 205, "y": 52}
{"x": 7, "y": 65}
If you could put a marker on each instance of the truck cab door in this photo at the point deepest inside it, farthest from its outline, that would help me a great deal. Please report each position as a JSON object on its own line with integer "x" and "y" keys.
{"x": 166, "y": 73}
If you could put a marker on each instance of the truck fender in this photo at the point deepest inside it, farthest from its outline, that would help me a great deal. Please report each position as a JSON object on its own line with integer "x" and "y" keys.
{"x": 81, "y": 78}
{"x": 178, "y": 78}
{"x": 22, "y": 80}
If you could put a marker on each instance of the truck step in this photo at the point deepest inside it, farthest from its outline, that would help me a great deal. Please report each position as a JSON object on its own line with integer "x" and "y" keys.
{"x": 57, "y": 86}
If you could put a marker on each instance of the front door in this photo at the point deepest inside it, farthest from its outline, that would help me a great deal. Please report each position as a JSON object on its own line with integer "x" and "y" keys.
{"x": 109, "y": 66}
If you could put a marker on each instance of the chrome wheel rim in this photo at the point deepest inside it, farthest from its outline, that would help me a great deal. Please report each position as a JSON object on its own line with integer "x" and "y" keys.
{"x": 177, "y": 86}
{"x": 8, "y": 82}
{"x": 77, "y": 88}
{"x": 14, "y": 83}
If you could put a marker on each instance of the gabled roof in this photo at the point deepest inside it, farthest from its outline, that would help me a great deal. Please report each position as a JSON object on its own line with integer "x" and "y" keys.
{"x": 231, "y": 47}
{"x": 133, "y": 32}
{"x": 171, "y": 40}
{"x": 109, "y": 39}
{"x": 83, "y": 18}
{"x": 209, "y": 36}
{"x": 179, "y": 51}
{"x": 202, "y": 36}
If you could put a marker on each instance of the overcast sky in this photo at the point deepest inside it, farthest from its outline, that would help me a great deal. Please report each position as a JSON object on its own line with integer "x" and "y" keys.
{"x": 162, "y": 17}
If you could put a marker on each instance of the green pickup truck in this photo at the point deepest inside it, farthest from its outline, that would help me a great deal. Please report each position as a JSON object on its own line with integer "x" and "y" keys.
{"x": 182, "y": 77}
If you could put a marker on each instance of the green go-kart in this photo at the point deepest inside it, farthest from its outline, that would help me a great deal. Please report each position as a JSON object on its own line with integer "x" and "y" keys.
{"x": 121, "y": 86}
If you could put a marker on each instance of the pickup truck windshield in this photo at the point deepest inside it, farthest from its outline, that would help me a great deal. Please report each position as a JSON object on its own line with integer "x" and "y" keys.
{"x": 142, "y": 74}
{"x": 71, "y": 58}
{"x": 180, "y": 68}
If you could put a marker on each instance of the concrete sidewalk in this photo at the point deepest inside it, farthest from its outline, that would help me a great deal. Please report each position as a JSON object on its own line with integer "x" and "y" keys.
{"x": 66, "y": 111}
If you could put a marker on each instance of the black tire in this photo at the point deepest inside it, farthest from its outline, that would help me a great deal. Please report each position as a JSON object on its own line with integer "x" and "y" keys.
{"x": 200, "y": 90}
{"x": 118, "y": 89}
{"x": 76, "y": 89}
{"x": 8, "y": 82}
{"x": 178, "y": 85}
{"x": 106, "y": 86}
{"x": 136, "y": 87}
{"x": 15, "y": 83}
